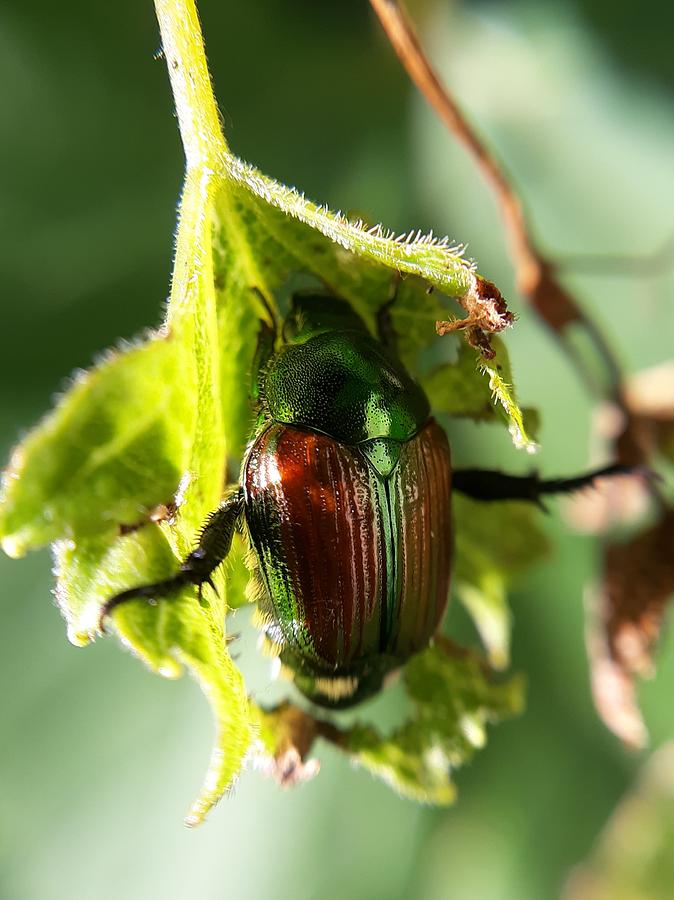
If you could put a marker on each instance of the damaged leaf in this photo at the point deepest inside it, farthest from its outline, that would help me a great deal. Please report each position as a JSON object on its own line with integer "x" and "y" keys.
{"x": 453, "y": 697}
{"x": 649, "y": 396}
{"x": 121, "y": 475}
{"x": 453, "y": 700}
{"x": 481, "y": 389}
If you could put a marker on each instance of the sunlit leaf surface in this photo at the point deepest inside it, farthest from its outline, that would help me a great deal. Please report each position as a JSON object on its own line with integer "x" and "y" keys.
{"x": 123, "y": 472}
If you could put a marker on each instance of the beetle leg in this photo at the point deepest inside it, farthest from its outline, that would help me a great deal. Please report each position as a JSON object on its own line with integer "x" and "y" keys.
{"x": 264, "y": 351}
{"x": 214, "y": 544}
{"x": 488, "y": 484}
{"x": 269, "y": 309}
{"x": 385, "y": 328}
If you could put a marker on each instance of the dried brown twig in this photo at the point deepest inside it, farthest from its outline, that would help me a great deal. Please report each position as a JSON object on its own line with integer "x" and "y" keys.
{"x": 535, "y": 273}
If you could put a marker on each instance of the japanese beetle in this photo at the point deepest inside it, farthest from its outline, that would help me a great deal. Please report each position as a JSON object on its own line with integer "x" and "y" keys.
{"x": 344, "y": 495}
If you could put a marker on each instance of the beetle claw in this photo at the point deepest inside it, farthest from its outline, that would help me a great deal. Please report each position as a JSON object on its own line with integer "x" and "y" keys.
{"x": 200, "y": 590}
{"x": 149, "y": 593}
{"x": 200, "y": 595}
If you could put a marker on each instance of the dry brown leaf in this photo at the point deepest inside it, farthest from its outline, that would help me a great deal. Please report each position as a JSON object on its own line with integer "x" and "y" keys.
{"x": 624, "y": 621}
{"x": 651, "y": 392}
{"x": 649, "y": 395}
{"x": 488, "y": 313}
{"x": 287, "y": 736}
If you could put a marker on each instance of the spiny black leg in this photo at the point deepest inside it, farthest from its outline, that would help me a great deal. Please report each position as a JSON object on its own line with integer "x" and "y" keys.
{"x": 215, "y": 541}
{"x": 488, "y": 484}
{"x": 269, "y": 309}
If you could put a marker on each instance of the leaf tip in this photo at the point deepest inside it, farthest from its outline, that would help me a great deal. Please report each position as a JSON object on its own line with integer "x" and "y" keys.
{"x": 521, "y": 439}
{"x": 13, "y": 546}
{"x": 218, "y": 781}
{"x": 473, "y": 730}
{"x": 498, "y": 658}
{"x": 502, "y": 393}
{"x": 170, "y": 670}
{"x": 77, "y": 637}
{"x": 193, "y": 819}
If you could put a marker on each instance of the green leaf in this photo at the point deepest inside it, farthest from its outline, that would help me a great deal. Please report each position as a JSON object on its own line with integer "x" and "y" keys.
{"x": 453, "y": 700}
{"x": 482, "y": 390}
{"x": 116, "y": 446}
{"x": 179, "y": 632}
{"x": 494, "y": 543}
{"x": 145, "y": 427}
{"x": 90, "y": 570}
{"x": 497, "y": 370}
{"x": 459, "y": 389}
{"x": 266, "y": 233}
{"x": 125, "y": 470}
{"x": 453, "y": 697}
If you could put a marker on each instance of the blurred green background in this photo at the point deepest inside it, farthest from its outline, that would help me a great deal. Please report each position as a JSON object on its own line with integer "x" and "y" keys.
{"x": 98, "y": 758}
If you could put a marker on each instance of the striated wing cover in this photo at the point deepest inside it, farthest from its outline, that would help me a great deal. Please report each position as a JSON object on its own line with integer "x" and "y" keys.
{"x": 354, "y": 565}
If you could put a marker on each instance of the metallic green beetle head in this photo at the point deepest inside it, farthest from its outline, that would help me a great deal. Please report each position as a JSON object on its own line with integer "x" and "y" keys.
{"x": 311, "y": 314}
{"x": 334, "y": 377}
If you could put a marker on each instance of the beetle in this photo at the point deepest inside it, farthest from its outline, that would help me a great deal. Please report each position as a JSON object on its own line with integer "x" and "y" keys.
{"x": 345, "y": 495}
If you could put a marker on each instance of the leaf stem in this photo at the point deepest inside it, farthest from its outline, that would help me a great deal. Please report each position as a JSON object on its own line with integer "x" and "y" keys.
{"x": 198, "y": 116}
